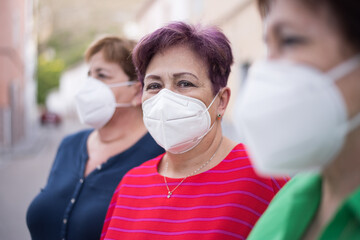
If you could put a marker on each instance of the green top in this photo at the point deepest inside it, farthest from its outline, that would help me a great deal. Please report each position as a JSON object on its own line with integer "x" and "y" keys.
{"x": 293, "y": 208}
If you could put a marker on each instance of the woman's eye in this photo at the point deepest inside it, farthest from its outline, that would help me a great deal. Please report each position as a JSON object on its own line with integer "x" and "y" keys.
{"x": 153, "y": 86}
{"x": 290, "y": 41}
{"x": 184, "y": 83}
{"x": 102, "y": 76}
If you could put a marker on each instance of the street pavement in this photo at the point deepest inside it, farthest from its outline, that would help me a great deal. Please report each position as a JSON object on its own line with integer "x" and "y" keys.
{"x": 24, "y": 171}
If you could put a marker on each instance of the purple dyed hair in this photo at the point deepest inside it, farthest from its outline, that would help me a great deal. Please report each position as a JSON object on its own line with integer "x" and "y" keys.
{"x": 209, "y": 43}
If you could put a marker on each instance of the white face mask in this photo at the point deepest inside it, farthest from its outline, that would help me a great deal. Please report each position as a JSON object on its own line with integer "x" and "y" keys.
{"x": 96, "y": 104}
{"x": 177, "y": 123}
{"x": 293, "y": 117}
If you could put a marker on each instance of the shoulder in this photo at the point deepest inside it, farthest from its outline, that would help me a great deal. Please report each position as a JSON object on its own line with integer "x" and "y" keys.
{"x": 143, "y": 173}
{"x": 300, "y": 184}
{"x": 237, "y": 151}
{"x": 238, "y": 159}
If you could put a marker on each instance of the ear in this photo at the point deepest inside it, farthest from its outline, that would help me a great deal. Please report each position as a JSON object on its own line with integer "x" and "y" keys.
{"x": 224, "y": 97}
{"x": 138, "y": 94}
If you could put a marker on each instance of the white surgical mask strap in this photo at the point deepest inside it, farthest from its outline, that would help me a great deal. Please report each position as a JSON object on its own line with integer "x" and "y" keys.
{"x": 121, "y": 84}
{"x": 123, "y": 104}
{"x": 212, "y": 101}
{"x": 341, "y": 71}
{"x": 344, "y": 68}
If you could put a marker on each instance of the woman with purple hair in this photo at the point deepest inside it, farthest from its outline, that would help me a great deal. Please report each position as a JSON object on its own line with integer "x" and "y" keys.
{"x": 204, "y": 186}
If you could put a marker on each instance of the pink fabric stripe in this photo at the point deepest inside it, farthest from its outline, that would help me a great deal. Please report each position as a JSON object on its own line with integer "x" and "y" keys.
{"x": 200, "y": 184}
{"x": 176, "y": 233}
{"x": 189, "y": 208}
{"x": 230, "y": 170}
{"x": 234, "y": 159}
{"x": 146, "y": 166}
{"x": 196, "y": 195}
{"x": 183, "y": 220}
{"x": 276, "y": 183}
{"x": 141, "y": 175}
{"x": 238, "y": 150}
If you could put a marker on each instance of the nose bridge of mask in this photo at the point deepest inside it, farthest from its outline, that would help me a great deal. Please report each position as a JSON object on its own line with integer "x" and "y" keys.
{"x": 165, "y": 98}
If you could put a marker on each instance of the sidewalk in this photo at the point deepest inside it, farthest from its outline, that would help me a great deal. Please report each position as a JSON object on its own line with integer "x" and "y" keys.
{"x": 23, "y": 172}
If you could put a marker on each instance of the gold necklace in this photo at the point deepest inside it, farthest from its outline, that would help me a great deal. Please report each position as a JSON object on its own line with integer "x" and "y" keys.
{"x": 193, "y": 173}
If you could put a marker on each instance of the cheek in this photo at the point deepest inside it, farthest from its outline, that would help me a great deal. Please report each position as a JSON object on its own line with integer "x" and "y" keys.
{"x": 145, "y": 96}
{"x": 122, "y": 94}
{"x": 322, "y": 56}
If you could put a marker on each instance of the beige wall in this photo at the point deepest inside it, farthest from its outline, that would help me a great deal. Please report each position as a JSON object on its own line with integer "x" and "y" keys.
{"x": 14, "y": 77}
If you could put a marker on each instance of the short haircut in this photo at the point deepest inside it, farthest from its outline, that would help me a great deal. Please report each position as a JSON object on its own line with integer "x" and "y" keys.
{"x": 115, "y": 50}
{"x": 345, "y": 12}
{"x": 209, "y": 43}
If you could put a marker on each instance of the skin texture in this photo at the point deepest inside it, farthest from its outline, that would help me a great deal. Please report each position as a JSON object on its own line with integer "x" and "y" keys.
{"x": 180, "y": 70}
{"x": 126, "y": 127}
{"x": 294, "y": 32}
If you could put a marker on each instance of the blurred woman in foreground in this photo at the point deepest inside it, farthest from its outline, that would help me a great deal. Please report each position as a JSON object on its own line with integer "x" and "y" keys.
{"x": 306, "y": 98}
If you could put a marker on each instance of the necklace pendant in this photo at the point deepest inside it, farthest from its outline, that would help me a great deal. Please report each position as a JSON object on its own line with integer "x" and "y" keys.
{"x": 169, "y": 194}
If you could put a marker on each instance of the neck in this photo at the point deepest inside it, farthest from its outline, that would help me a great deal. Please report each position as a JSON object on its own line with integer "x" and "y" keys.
{"x": 342, "y": 177}
{"x": 182, "y": 165}
{"x": 126, "y": 123}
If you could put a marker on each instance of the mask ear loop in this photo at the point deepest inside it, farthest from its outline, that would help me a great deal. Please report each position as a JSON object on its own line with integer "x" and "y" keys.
{"x": 211, "y": 127}
{"x": 212, "y": 101}
{"x": 344, "y": 68}
{"x": 119, "y": 105}
{"x": 341, "y": 71}
{"x": 121, "y": 84}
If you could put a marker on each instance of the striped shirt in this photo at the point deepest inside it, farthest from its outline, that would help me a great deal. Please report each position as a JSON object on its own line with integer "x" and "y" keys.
{"x": 222, "y": 203}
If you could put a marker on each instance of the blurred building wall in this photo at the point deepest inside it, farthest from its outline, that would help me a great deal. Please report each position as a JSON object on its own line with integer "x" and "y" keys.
{"x": 239, "y": 20}
{"x": 17, "y": 65}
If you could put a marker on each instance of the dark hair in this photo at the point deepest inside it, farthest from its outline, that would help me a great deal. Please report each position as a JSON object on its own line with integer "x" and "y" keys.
{"x": 115, "y": 50}
{"x": 345, "y": 12}
{"x": 209, "y": 43}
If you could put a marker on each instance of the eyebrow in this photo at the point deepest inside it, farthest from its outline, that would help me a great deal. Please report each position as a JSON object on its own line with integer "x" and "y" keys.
{"x": 152, "y": 76}
{"x": 177, "y": 75}
{"x": 101, "y": 69}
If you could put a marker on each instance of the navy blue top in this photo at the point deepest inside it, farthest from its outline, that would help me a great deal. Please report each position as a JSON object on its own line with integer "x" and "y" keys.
{"x": 73, "y": 207}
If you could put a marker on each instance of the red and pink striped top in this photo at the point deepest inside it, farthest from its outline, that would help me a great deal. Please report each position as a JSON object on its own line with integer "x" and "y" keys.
{"x": 221, "y": 203}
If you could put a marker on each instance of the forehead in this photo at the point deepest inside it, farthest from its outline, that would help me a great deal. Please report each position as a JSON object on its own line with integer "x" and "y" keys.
{"x": 177, "y": 58}
{"x": 296, "y": 13}
{"x": 98, "y": 60}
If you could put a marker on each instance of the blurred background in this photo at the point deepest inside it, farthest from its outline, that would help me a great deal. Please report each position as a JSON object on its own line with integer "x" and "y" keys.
{"x": 42, "y": 43}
